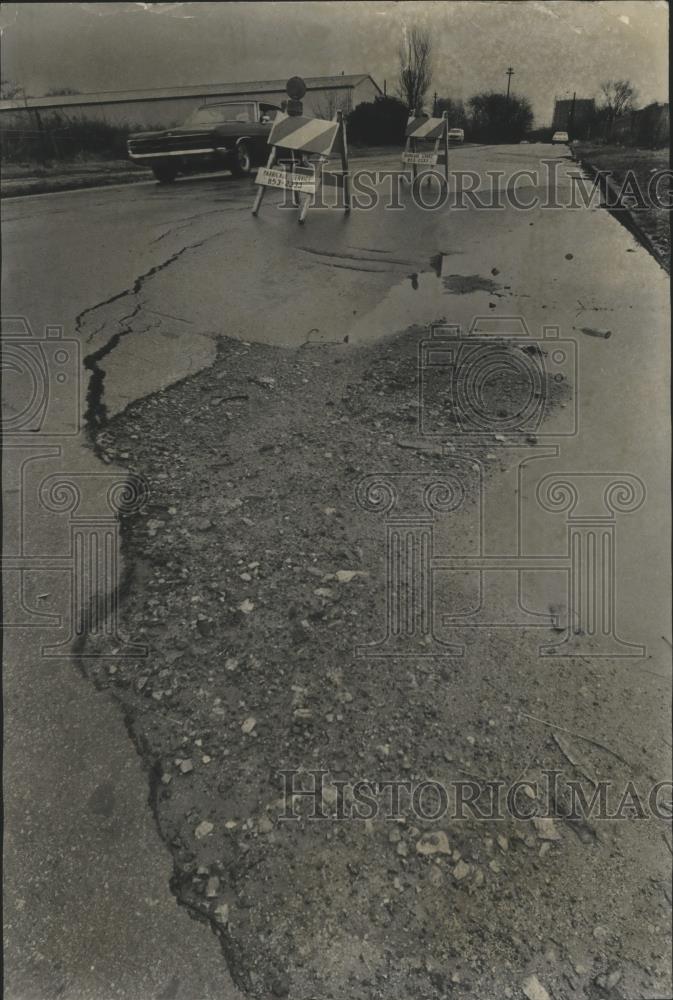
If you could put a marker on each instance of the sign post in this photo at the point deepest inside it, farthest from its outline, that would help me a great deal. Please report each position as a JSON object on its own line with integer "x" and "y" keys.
{"x": 423, "y": 129}
{"x": 297, "y": 134}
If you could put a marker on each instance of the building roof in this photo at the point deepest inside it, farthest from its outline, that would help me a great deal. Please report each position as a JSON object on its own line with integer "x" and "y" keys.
{"x": 196, "y": 90}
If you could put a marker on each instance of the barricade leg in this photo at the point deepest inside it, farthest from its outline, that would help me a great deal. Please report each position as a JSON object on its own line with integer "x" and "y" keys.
{"x": 296, "y": 201}
{"x": 344, "y": 162}
{"x": 317, "y": 172}
{"x": 261, "y": 189}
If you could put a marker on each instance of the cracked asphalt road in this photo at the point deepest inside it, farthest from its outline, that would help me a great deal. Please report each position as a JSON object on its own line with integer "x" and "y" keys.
{"x": 147, "y": 279}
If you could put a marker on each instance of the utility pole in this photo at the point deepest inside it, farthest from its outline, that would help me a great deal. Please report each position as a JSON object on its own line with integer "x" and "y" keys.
{"x": 510, "y": 74}
{"x": 571, "y": 117}
{"x": 434, "y": 105}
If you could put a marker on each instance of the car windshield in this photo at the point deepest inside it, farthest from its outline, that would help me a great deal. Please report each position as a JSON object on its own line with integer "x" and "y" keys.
{"x": 214, "y": 113}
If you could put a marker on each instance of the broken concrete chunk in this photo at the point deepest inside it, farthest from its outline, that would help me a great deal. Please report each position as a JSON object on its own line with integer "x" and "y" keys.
{"x": 248, "y": 724}
{"x": 263, "y": 380}
{"x": 433, "y": 843}
{"x": 199, "y": 523}
{"x": 203, "y": 829}
{"x": 212, "y": 886}
{"x": 609, "y": 980}
{"x": 461, "y": 871}
{"x": 545, "y": 828}
{"x": 346, "y": 575}
{"x": 227, "y": 506}
{"x": 533, "y": 989}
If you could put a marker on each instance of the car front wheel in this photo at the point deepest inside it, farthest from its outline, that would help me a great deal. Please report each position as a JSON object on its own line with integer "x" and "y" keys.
{"x": 242, "y": 162}
{"x": 164, "y": 173}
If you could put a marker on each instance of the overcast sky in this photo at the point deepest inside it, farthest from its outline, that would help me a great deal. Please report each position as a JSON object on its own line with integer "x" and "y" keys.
{"x": 555, "y": 46}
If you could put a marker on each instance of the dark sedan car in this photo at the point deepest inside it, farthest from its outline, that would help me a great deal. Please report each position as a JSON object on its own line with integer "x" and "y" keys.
{"x": 231, "y": 136}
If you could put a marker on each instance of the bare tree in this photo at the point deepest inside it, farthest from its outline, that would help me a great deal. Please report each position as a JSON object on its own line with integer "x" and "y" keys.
{"x": 618, "y": 97}
{"x": 415, "y": 68}
{"x": 330, "y": 102}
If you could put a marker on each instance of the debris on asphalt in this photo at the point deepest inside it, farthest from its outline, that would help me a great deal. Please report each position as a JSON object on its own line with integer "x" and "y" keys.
{"x": 461, "y": 871}
{"x": 226, "y": 652}
{"x": 212, "y": 887}
{"x": 545, "y": 828}
{"x": 591, "y": 332}
{"x": 608, "y": 980}
{"x": 346, "y": 575}
{"x": 534, "y": 990}
{"x": 433, "y": 843}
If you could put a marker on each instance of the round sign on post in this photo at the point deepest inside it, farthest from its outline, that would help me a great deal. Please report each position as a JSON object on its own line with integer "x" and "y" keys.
{"x": 295, "y": 88}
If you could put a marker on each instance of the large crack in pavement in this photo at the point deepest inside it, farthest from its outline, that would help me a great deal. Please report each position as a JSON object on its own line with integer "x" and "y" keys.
{"x": 96, "y": 413}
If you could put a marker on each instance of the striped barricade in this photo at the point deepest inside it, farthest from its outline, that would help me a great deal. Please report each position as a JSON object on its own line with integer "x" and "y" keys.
{"x": 301, "y": 175}
{"x": 422, "y": 129}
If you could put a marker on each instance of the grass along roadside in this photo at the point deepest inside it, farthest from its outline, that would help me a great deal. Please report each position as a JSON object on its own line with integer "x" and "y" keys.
{"x": 651, "y": 224}
{"x": 32, "y": 178}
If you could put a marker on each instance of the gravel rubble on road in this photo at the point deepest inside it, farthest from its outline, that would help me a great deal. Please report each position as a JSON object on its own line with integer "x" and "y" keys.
{"x": 254, "y": 575}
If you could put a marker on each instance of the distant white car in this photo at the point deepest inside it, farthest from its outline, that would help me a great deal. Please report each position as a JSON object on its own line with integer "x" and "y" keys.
{"x": 456, "y": 135}
{"x": 559, "y": 137}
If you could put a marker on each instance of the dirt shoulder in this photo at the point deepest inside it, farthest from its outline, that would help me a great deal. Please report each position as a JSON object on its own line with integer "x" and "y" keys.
{"x": 31, "y": 178}
{"x": 651, "y": 223}
{"x": 258, "y": 568}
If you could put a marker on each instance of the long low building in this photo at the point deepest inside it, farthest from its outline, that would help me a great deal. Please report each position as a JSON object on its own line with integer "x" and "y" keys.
{"x": 171, "y": 105}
